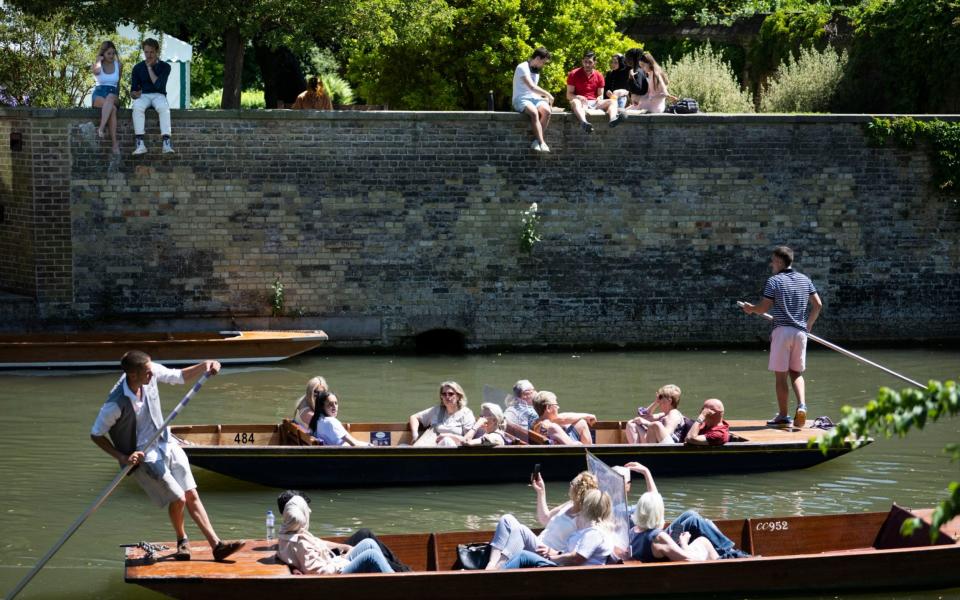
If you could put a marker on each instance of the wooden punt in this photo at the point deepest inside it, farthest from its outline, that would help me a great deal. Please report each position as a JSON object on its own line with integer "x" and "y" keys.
{"x": 832, "y": 553}
{"x": 104, "y": 349}
{"x": 284, "y": 455}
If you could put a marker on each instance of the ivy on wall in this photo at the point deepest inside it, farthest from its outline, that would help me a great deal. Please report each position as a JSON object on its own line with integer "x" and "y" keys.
{"x": 942, "y": 139}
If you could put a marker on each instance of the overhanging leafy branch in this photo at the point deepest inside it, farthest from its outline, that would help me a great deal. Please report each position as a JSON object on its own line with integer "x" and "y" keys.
{"x": 897, "y": 413}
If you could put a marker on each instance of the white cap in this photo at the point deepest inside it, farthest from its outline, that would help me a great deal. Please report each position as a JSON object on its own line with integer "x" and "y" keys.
{"x": 624, "y": 472}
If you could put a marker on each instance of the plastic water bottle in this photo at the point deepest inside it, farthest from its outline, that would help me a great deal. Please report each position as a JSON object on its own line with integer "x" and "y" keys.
{"x": 270, "y": 526}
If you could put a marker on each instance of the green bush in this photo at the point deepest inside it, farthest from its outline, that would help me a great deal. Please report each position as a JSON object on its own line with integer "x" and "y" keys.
{"x": 337, "y": 88}
{"x": 704, "y": 76}
{"x": 784, "y": 33}
{"x": 806, "y": 84}
{"x": 249, "y": 99}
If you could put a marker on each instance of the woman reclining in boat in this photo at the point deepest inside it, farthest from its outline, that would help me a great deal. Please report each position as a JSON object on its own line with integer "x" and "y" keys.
{"x": 661, "y": 422}
{"x": 450, "y": 416}
{"x": 306, "y": 405}
{"x": 690, "y": 522}
{"x": 326, "y": 427}
{"x": 359, "y": 535}
{"x": 567, "y": 428}
{"x": 305, "y": 552}
{"x": 649, "y": 542}
{"x": 486, "y": 431}
{"x": 559, "y": 523}
{"x": 589, "y": 545}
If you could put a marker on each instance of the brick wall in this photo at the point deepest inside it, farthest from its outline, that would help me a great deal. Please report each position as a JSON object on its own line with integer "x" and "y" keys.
{"x": 651, "y": 230}
{"x": 16, "y": 229}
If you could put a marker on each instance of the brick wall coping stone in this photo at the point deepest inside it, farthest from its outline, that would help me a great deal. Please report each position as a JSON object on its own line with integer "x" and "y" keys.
{"x": 393, "y": 115}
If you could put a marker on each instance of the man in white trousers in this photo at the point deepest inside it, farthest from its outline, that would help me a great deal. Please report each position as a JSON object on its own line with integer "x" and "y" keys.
{"x": 148, "y": 87}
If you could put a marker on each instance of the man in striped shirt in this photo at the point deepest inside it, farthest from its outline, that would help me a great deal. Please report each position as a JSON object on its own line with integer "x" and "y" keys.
{"x": 796, "y": 306}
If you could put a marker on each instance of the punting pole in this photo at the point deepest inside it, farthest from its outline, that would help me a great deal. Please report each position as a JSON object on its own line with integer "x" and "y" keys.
{"x": 106, "y": 493}
{"x": 846, "y": 352}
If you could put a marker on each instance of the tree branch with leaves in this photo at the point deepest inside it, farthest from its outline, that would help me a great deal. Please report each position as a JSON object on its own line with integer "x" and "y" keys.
{"x": 897, "y": 413}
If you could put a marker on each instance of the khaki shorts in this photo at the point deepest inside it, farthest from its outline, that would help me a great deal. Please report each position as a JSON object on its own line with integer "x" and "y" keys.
{"x": 176, "y": 481}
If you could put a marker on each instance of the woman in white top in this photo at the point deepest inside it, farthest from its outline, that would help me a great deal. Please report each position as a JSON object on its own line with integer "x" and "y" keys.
{"x": 107, "y": 70}
{"x": 511, "y": 537}
{"x": 326, "y": 427}
{"x": 588, "y": 545}
{"x": 655, "y": 100}
{"x": 307, "y": 404}
{"x": 450, "y": 416}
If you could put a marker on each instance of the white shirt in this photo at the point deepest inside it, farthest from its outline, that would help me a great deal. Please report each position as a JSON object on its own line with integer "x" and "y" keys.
{"x": 520, "y": 87}
{"x": 558, "y": 529}
{"x": 591, "y": 544}
{"x": 441, "y": 421}
{"x": 330, "y": 431}
{"x": 110, "y": 411}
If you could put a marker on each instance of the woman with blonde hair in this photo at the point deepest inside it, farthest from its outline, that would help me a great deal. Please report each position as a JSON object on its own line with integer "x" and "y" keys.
{"x": 661, "y": 422}
{"x": 650, "y": 543}
{"x": 589, "y": 545}
{"x": 451, "y": 416}
{"x": 559, "y": 523}
{"x": 107, "y": 71}
{"x": 307, "y": 404}
{"x": 655, "y": 100}
{"x": 315, "y": 97}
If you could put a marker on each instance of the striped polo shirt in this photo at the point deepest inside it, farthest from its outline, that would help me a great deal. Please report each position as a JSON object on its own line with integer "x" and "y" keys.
{"x": 790, "y": 292}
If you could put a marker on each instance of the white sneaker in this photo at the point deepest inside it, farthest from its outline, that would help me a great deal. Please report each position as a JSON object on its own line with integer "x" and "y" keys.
{"x": 544, "y": 147}
{"x": 535, "y": 145}
{"x": 140, "y": 149}
{"x": 167, "y": 147}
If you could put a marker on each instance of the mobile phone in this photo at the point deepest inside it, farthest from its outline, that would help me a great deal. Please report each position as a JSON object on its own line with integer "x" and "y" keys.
{"x": 536, "y": 472}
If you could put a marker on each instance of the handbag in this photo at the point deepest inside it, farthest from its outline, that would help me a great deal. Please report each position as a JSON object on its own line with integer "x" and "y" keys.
{"x": 473, "y": 557}
{"x": 686, "y": 106}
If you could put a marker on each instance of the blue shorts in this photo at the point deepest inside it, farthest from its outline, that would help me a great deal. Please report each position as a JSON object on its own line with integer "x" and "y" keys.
{"x": 520, "y": 104}
{"x": 102, "y": 91}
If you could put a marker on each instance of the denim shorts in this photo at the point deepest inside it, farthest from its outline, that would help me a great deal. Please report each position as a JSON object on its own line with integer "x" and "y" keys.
{"x": 102, "y": 91}
{"x": 520, "y": 104}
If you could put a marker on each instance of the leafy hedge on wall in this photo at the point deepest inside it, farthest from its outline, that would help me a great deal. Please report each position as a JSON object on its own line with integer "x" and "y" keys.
{"x": 942, "y": 138}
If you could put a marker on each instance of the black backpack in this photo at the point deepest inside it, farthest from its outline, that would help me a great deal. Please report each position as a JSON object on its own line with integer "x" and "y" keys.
{"x": 686, "y": 106}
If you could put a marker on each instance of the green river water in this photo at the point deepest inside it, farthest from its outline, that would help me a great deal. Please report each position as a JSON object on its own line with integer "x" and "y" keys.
{"x": 50, "y": 471}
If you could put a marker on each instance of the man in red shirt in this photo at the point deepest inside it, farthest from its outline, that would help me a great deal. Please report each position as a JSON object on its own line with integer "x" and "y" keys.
{"x": 709, "y": 429}
{"x": 585, "y": 90}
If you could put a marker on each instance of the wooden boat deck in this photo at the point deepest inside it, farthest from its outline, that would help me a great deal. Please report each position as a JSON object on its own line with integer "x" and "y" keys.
{"x": 89, "y": 349}
{"x": 842, "y": 551}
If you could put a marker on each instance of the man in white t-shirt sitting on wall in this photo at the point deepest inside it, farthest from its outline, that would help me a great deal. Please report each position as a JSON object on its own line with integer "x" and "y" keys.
{"x": 532, "y": 100}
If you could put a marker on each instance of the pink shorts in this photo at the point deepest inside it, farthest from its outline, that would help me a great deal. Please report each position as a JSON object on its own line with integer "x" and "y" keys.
{"x": 788, "y": 350}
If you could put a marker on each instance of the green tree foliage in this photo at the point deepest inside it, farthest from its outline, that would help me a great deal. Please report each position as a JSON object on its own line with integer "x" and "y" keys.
{"x": 897, "y": 413}
{"x": 784, "y": 33}
{"x": 449, "y": 54}
{"x": 807, "y": 84}
{"x": 704, "y": 76}
{"x": 48, "y": 59}
{"x": 229, "y": 26}
{"x": 337, "y": 88}
{"x": 904, "y": 58}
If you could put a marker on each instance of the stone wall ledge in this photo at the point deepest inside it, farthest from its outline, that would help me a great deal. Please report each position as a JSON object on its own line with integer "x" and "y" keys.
{"x": 463, "y": 116}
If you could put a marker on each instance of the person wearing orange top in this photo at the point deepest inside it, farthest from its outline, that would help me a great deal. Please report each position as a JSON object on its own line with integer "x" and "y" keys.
{"x": 314, "y": 98}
